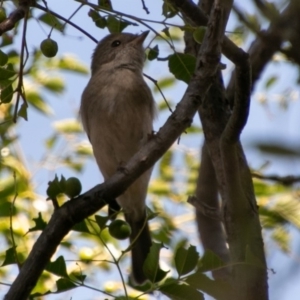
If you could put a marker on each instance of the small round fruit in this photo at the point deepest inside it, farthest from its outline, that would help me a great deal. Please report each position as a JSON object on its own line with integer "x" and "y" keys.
{"x": 3, "y": 58}
{"x": 2, "y": 14}
{"x": 49, "y": 47}
{"x": 119, "y": 229}
{"x": 72, "y": 187}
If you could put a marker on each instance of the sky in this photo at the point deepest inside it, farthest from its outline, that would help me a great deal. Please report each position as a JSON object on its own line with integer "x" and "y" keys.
{"x": 266, "y": 121}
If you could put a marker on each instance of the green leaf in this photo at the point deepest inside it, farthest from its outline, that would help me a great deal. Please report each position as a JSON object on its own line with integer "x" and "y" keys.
{"x": 271, "y": 11}
{"x": 40, "y": 224}
{"x": 210, "y": 261}
{"x": 105, "y": 4}
{"x": 186, "y": 260}
{"x": 153, "y": 53}
{"x": 101, "y": 221}
{"x": 150, "y": 214}
{"x": 64, "y": 284}
{"x": 50, "y": 142}
{"x": 68, "y": 126}
{"x": 115, "y": 25}
{"x": 176, "y": 291}
{"x": 3, "y": 58}
{"x": 35, "y": 99}
{"x": 162, "y": 105}
{"x": 254, "y": 21}
{"x": 165, "y": 83}
{"x": 168, "y": 10}
{"x": 282, "y": 238}
{"x": 79, "y": 276}
{"x": 52, "y": 21}
{"x": 270, "y": 218}
{"x": 10, "y": 257}
{"x": 282, "y": 210}
{"x": 58, "y": 267}
{"x": 166, "y": 32}
{"x": 98, "y": 20}
{"x": 23, "y": 111}
{"x": 194, "y": 129}
{"x": 81, "y": 227}
{"x": 72, "y": 163}
{"x": 199, "y": 33}
{"x": 182, "y": 66}
{"x": 54, "y": 84}
{"x": 271, "y": 80}
{"x": 55, "y": 187}
{"x": 218, "y": 289}
{"x": 84, "y": 149}
{"x": 7, "y": 91}
{"x": 7, "y": 72}
{"x": 166, "y": 170}
{"x": 278, "y": 149}
{"x": 35, "y": 295}
{"x": 6, "y": 39}
{"x": 5, "y": 206}
{"x": 151, "y": 265}
{"x": 70, "y": 63}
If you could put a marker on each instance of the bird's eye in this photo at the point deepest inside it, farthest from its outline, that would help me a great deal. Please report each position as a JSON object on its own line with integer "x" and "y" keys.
{"x": 115, "y": 43}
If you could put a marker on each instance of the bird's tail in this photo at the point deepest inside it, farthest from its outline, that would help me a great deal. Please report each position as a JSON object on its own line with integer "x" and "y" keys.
{"x": 140, "y": 247}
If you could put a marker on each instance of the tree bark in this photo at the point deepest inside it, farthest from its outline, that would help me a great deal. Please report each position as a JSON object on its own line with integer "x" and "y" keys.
{"x": 222, "y": 130}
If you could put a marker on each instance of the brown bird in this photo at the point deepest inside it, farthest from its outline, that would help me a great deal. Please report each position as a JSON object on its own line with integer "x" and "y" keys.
{"x": 117, "y": 111}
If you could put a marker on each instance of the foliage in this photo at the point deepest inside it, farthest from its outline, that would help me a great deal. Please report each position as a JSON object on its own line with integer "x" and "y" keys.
{"x": 28, "y": 81}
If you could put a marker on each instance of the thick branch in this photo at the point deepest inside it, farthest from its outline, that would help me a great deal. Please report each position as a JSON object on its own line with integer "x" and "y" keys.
{"x": 284, "y": 180}
{"x": 14, "y": 17}
{"x": 269, "y": 42}
{"x": 207, "y": 207}
{"x": 241, "y": 110}
{"x": 241, "y": 213}
{"x": 197, "y": 18}
{"x": 76, "y": 210}
{"x": 222, "y": 130}
{"x": 209, "y": 225}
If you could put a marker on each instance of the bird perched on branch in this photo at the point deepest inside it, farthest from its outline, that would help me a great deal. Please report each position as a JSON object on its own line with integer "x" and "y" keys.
{"x": 117, "y": 111}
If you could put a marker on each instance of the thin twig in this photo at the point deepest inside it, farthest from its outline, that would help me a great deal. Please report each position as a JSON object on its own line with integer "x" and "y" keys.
{"x": 157, "y": 86}
{"x": 284, "y": 180}
{"x": 116, "y": 261}
{"x": 145, "y": 8}
{"x": 11, "y": 224}
{"x": 115, "y": 12}
{"x": 244, "y": 20}
{"x": 19, "y": 89}
{"x": 3, "y": 283}
{"x": 67, "y": 21}
{"x": 12, "y": 20}
{"x": 74, "y": 13}
{"x": 97, "y": 290}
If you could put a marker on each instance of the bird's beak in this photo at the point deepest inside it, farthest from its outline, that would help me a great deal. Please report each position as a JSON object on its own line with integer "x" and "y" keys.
{"x": 141, "y": 37}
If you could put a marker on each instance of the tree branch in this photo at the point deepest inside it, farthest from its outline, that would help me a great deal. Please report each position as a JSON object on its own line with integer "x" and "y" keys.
{"x": 210, "y": 226}
{"x": 269, "y": 42}
{"x": 242, "y": 102}
{"x": 197, "y": 18}
{"x": 207, "y": 208}
{"x": 240, "y": 209}
{"x": 284, "y": 180}
{"x": 77, "y": 209}
{"x": 17, "y": 15}
{"x": 45, "y": 9}
{"x": 222, "y": 129}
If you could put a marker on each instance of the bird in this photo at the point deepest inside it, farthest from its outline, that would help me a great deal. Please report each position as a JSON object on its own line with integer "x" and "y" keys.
{"x": 117, "y": 112}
